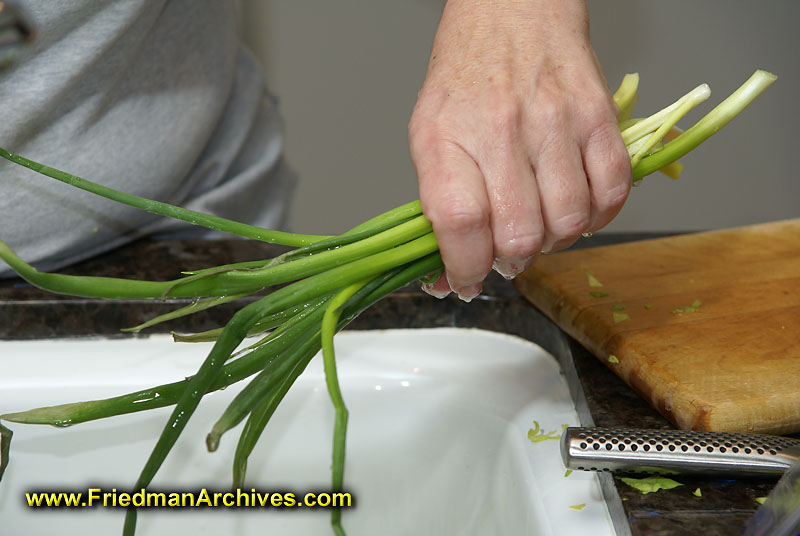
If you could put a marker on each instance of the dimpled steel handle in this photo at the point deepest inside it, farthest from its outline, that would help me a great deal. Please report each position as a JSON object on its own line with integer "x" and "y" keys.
{"x": 665, "y": 451}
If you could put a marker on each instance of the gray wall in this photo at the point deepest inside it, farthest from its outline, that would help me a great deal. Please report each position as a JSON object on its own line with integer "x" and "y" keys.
{"x": 348, "y": 72}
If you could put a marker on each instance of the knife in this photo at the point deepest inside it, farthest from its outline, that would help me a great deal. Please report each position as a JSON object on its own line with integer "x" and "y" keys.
{"x": 677, "y": 451}
{"x": 780, "y": 513}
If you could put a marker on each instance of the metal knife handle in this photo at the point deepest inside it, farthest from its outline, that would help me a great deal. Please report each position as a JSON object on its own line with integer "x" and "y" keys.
{"x": 662, "y": 451}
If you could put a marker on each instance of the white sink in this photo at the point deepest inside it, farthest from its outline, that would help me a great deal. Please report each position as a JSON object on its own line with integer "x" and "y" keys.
{"x": 437, "y": 441}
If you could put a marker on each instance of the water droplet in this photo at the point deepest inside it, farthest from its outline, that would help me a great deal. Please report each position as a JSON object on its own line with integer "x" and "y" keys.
{"x": 587, "y": 234}
{"x": 63, "y": 424}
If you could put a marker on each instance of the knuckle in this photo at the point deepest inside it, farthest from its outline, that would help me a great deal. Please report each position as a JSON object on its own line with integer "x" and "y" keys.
{"x": 614, "y": 197}
{"x": 599, "y": 115}
{"x": 596, "y": 105}
{"x": 549, "y": 116}
{"x": 570, "y": 224}
{"x": 422, "y": 133}
{"x": 551, "y": 113}
{"x": 549, "y": 122}
{"x": 460, "y": 215}
{"x": 521, "y": 246}
{"x": 429, "y": 127}
{"x": 617, "y": 168}
{"x": 619, "y": 163}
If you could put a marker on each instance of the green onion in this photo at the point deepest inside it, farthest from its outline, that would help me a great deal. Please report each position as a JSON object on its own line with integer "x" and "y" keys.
{"x": 331, "y": 280}
{"x": 650, "y": 484}
{"x": 592, "y": 280}
{"x": 619, "y": 317}
{"x": 5, "y": 443}
{"x": 707, "y": 126}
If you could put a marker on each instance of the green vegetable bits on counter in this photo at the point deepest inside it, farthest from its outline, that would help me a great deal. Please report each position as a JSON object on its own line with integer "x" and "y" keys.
{"x": 593, "y": 282}
{"x": 619, "y": 317}
{"x": 693, "y": 308}
{"x": 537, "y": 435}
{"x": 650, "y": 484}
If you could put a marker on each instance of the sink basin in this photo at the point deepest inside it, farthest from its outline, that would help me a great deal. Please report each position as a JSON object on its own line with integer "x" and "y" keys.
{"x": 437, "y": 440}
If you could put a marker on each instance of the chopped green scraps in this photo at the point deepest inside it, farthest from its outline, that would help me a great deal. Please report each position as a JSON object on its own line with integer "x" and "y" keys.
{"x": 567, "y": 473}
{"x": 761, "y": 500}
{"x": 593, "y": 282}
{"x": 618, "y": 307}
{"x": 613, "y": 359}
{"x": 537, "y": 435}
{"x": 598, "y": 294}
{"x": 650, "y": 484}
{"x": 578, "y": 506}
{"x": 697, "y": 493}
{"x": 693, "y": 308}
{"x": 648, "y": 306}
{"x": 620, "y": 317}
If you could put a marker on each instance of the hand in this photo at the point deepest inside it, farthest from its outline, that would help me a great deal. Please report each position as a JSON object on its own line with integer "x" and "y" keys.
{"x": 514, "y": 137}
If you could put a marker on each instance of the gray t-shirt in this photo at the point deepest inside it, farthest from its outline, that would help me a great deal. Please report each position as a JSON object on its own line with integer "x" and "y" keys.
{"x": 153, "y": 97}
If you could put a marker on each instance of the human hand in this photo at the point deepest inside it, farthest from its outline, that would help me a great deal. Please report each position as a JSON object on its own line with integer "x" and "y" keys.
{"x": 514, "y": 138}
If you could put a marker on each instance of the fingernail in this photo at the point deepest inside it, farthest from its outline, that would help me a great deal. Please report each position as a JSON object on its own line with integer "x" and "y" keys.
{"x": 510, "y": 268}
{"x": 429, "y": 289}
{"x": 469, "y": 292}
{"x": 465, "y": 292}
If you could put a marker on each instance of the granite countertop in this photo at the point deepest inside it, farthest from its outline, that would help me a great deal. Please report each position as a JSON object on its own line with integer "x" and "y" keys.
{"x": 602, "y": 398}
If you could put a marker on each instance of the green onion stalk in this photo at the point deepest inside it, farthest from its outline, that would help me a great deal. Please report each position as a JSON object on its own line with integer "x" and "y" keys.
{"x": 332, "y": 279}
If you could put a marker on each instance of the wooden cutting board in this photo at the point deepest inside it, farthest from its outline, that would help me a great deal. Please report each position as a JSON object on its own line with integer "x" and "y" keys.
{"x": 710, "y": 330}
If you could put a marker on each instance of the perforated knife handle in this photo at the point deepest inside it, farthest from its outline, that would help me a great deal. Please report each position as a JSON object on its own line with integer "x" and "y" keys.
{"x": 653, "y": 451}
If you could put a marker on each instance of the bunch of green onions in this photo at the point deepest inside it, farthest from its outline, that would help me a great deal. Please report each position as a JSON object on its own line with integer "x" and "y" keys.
{"x": 335, "y": 279}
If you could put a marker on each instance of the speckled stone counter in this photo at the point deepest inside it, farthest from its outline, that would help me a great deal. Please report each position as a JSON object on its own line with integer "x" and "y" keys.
{"x": 602, "y": 399}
